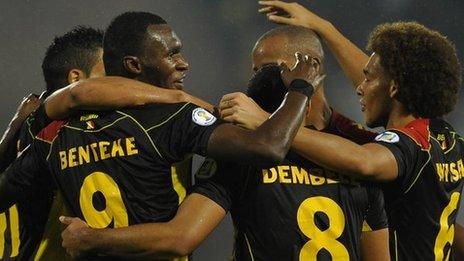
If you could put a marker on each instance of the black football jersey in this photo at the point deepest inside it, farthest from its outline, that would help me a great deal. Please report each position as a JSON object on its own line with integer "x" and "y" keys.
{"x": 21, "y": 227}
{"x": 114, "y": 168}
{"x": 294, "y": 211}
{"x": 422, "y": 202}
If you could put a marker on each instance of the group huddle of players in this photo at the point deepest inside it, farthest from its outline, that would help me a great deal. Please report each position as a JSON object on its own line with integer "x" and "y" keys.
{"x": 110, "y": 156}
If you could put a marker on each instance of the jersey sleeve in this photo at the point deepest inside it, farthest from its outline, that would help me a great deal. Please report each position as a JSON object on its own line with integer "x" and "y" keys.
{"x": 29, "y": 172}
{"x": 186, "y": 132}
{"x": 218, "y": 181}
{"x": 341, "y": 125}
{"x": 410, "y": 157}
{"x": 376, "y": 217}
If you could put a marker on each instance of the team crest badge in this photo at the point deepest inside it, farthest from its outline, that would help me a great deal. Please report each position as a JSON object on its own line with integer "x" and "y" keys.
{"x": 202, "y": 117}
{"x": 388, "y": 136}
{"x": 90, "y": 125}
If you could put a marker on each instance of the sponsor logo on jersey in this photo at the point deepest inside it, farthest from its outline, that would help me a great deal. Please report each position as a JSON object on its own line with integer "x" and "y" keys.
{"x": 88, "y": 117}
{"x": 388, "y": 136}
{"x": 202, "y": 117}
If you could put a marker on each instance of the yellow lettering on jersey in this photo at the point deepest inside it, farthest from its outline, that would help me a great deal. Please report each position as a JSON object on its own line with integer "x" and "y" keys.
{"x": 64, "y": 162}
{"x": 299, "y": 177}
{"x": 93, "y": 146}
{"x": 104, "y": 154}
{"x": 283, "y": 174}
{"x": 101, "y": 150}
{"x": 332, "y": 177}
{"x": 450, "y": 172}
{"x": 130, "y": 145}
{"x": 117, "y": 149}
{"x": 269, "y": 176}
{"x": 286, "y": 174}
{"x": 318, "y": 178}
{"x": 84, "y": 155}
{"x": 72, "y": 157}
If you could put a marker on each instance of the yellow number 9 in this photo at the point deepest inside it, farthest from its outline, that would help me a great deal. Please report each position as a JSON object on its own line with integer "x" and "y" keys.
{"x": 114, "y": 209}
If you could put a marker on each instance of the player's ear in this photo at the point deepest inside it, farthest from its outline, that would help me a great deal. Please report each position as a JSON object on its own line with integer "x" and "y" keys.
{"x": 132, "y": 64}
{"x": 75, "y": 75}
{"x": 318, "y": 65}
{"x": 393, "y": 90}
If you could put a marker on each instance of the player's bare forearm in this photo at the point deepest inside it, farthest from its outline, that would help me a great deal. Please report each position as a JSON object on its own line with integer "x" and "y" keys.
{"x": 349, "y": 56}
{"x": 269, "y": 143}
{"x": 112, "y": 92}
{"x": 374, "y": 245}
{"x": 370, "y": 161}
{"x": 195, "y": 219}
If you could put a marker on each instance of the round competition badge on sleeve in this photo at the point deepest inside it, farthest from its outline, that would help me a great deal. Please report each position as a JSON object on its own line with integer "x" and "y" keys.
{"x": 388, "y": 136}
{"x": 202, "y": 117}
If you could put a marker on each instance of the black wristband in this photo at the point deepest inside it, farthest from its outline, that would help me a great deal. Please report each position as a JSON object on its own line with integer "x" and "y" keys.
{"x": 39, "y": 119}
{"x": 301, "y": 86}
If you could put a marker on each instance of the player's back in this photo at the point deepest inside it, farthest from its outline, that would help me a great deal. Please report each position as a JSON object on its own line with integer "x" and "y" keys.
{"x": 114, "y": 168}
{"x": 422, "y": 204}
{"x": 23, "y": 224}
{"x": 293, "y": 211}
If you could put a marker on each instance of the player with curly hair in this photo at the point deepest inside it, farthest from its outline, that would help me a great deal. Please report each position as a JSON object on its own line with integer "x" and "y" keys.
{"x": 411, "y": 81}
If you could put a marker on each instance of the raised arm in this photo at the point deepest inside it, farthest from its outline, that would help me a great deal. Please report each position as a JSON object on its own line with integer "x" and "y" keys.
{"x": 349, "y": 56}
{"x": 369, "y": 161}
{"x": 269, "y": 143}
{"x": 8, "y": 148}
{"x": 194, "y": 221}
{"x": 112, "y": 92}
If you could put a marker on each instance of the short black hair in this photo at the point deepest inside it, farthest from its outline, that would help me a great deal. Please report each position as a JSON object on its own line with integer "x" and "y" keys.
{"x": 423, "y": 63}
{"x": 77, "y": 49}
{"x": 125, "y": 36}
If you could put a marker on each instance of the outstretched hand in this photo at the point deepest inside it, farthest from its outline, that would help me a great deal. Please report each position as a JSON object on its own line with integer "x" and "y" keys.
{"x": 291, "y": 14}
{"x": 73, "y": 236}
{"x": 28, "y": 105}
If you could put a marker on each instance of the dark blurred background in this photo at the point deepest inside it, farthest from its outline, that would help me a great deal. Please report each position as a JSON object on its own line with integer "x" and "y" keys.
{"x": 218, "y": 36}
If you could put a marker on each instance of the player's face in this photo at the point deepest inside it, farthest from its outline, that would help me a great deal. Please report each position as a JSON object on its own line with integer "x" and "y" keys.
{"x": 163, "y": 64}
{"x": 374, "y": 92}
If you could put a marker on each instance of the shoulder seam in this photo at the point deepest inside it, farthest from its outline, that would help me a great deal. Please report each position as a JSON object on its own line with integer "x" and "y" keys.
{"x": 97, "y": 130}
{"x": 144, "y": 130}
{"x": 413, "y": 139}
{"x": 419, "y": 174}
{"x": 169, "y": 118}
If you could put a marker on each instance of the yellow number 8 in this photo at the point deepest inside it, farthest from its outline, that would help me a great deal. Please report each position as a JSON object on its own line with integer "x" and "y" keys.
{"x": 321, "y": 239}
{"x": 114, "y": 211}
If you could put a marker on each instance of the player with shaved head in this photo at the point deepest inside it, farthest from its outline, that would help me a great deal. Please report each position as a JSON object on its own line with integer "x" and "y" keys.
{"x": 290, "y": 211}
